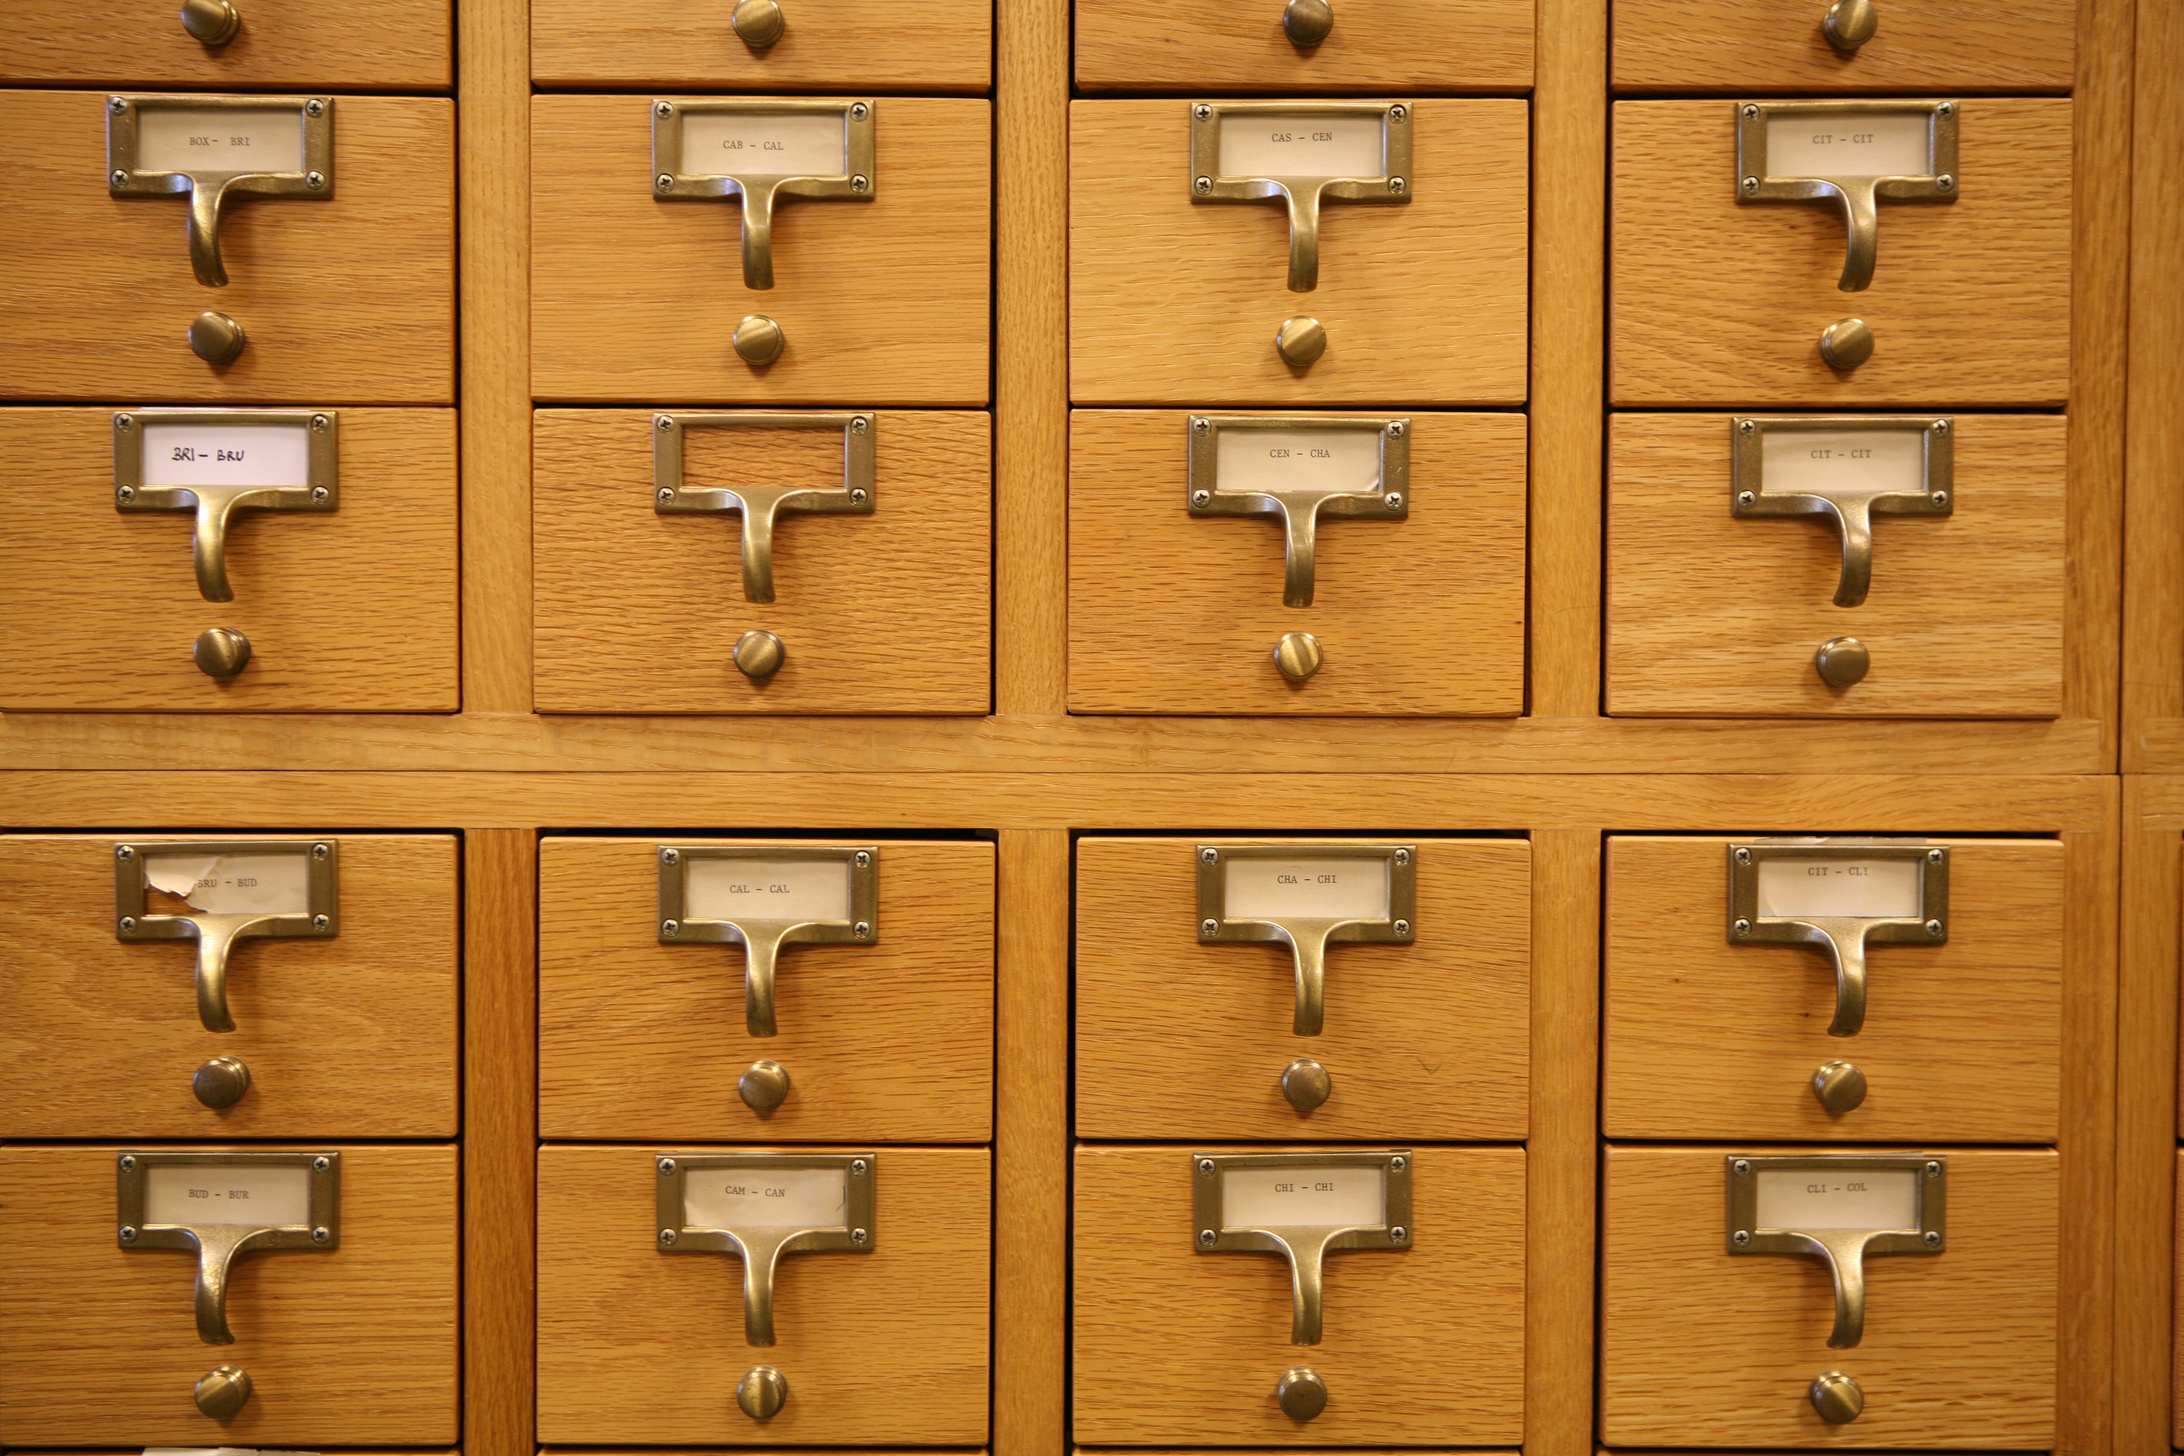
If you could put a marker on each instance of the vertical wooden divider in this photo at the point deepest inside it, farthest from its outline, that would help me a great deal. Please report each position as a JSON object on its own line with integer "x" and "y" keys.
{"x": 2085, "y": 1363}
{"x": 2146, "y": 1126}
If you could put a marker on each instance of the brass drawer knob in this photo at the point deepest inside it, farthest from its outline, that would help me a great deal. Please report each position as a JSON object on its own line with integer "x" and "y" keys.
{"x": 764, "y": 1086}
{"x": 759, "y": 654}
{"x": 1839, "y": 1085}
{"x": 1300, "y": 341}
{"x": 762, "y": 1393}
{"x": 212, "y": 22}
{"x": 1850, "y": 24}
{"x": 222, "y": 1391}
{"x": 1306, "y": 1084}
{"x": 1307, "y": 22}
{"x": 1842, "y": 662}
{"x": 221, "y": 1082}
{"x": 758, "y": 340}
{"x": 1302, "y": 1393}
{"x": 1298, "y": 655}
{"x": 216, "y": 338}
{"x": 1837, "y": 1397}
{"x": 221, "y": 652}
{"x": 758, "y": 23}
{"x": 1845, "y": 344}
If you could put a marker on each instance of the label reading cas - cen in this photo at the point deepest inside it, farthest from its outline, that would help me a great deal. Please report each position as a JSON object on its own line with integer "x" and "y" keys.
{"x": 1850, "y": 144}
{"x": 1814, "y": 462}
{"x": 196, "y": 1194}
{"x": 757, "y": 1197}
{"x": 1304, "y": 1197}
{"x": 1852, "y": 1198}
{"x": 1305, "y": 888}
{"x": 766, "y": 889}
{"x": 1249, "y": 461}
{"x": 1270, "y": 144}
{"x": 1815, "y": 889}
{"x": 765, "y": 143}
{"x": 218, "y": 139}
{"x": 181, "y": 453}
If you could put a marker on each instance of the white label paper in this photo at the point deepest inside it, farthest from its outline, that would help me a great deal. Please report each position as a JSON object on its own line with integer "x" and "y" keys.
{"x": 1304, "y": 1197}
{"x": 182, "y": 454}
{"x": 1819, "y": 1198}
{"x": 765, "y": 143}
{"x": 1265, "y": 460}
{"x": 1305, "y": 889}
{"x": 1261, "y": 144}
{"x": 1809, "y": 889}
{"x": 185, "y": 139}
{"x": 741, "y": 1198}
{"x": 766, "y": 889}
{"x": 267, "y": 1196}
{"x": 1869, "y": 144}
{"x": 234, "y": 884}
{"x": 1811, "y": 462}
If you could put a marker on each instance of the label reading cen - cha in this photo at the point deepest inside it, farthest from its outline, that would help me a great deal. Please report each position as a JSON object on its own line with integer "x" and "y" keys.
{"x": 1251, "y": 461}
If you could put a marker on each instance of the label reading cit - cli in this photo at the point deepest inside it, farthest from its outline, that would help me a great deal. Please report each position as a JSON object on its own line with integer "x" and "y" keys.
{"x": 200, "y": 1194}
{"x": 1861, "y": 144}
{"x": 180, "y": 453}
{"x": 765, "y": 143}
{"x": 756, "y": 889}
{"x": 1268, "y": 460}
{"x": 1304, "y": 1197}
{"x": 1818, "y": 1198}
{"x": 1261, "y": 144}
{"x": 739, "y": 1198}
{"x": 1813, "y": 889}
{"x": 1305, "y": 888}
{"x": 183, "y": 139}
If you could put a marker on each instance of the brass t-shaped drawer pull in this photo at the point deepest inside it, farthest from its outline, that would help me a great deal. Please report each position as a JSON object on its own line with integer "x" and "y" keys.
{"x": 760, "y": 505}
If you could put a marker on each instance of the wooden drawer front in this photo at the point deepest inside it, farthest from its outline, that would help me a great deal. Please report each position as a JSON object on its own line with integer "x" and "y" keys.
{"x": 885, "y": 1347}
{"x": 1385, "y": 607}
{"x": 348, "y": 611}
{"x": 1435, "y": 45}
{"x": 1718, "y": 302}
{"x": 1420, "y": 1346}
{"x": 1709, "y": 1039}
{"x": 1710, "y": 615}
{"x": 1425, "y": 1040}
{"x": 885, "y": 613}
{"x": 1701, "y": 1347}
{"x": 892, "y": 1041}
{"x": 1177, "y": 302}
{"x": 880, "y": 302}
{"x": 350, "y": 1346}
{"x": 300, "y": 44}
{"x": 1921, "y": 45}
{"x": 349, "y": 299}
{"x": 348, "y": 1037}
{"x": 834, "y": 43}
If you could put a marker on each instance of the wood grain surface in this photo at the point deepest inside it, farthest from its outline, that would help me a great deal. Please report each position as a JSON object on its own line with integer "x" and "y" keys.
{"x": 1709, "y": 614}
{"x": 99, "y": 1346}
{"x": 1718, "y": 302}
{"x": 2149, "y": 1162}
{"x": 888, "y": 1347}
{"x": 1778, "y": 45}
{"x": 1177, "y": 302}
{"x": 344, "y": 300}
{"x": 888, "y": 1042}
{"x": 838, "y": 44}
{"x": 352, "y": 610}
{"x": 1427, "y": 1041}
{"x": 1710, "y": 1039}
{"x": 1422, "y": 1346}
{"x": 402, "y": 45}
{"x": 348, "y": 1037}
{"x": 882, "y": 301}
{"x": 1701, "y": 1347}
{"x": 1387, "y": 609}
{"x": 639, "y": 612}
{"x": 1377, "y": 45}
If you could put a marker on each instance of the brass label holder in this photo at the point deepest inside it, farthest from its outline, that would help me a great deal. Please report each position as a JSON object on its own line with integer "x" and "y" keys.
{"x": 1307, "y": 153}
{"x": 1765, "y": 1219}
{"x": 802, "y": 163}
{"x": 154, "y": 148}
{"x": 152, "y": 1188}
{"x": 1852, "y": 179}
{"x": 761, "y": 1205}
{"x": 1334, "y": 1202}
{"x": 237, "y": 904}
{"x": 1330, "y": 908}
{"x": 803, "y": 903}
{"x": 1298, "y": 501}
{"x": 1918, "y": 876}
{"x": 1850, "y": 503}
{"x": 760, "y": 505}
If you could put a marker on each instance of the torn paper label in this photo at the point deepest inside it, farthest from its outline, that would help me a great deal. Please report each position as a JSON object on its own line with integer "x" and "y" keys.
{"x": 234, "y": 884}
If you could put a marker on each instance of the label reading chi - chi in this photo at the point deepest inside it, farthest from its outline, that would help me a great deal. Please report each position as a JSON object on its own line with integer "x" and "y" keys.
{"x": 1814, "y": 889}
{"x": 1305, "y": 888}
{"x": 234, "y": 884}
{"x": 1813, "y": 462}
{"x": 1261, "y": 144}
{"x": 179, "y": 453}
{"x": 1268, "y": 460}
{"x": 200, "y": 1194}
{"x": 740, "y": 1198}
{"x": 1837, "y": 144}
{"x": 1304, "y": 1197}
{"x": 755, "y": 889}
{"x": 765, "y": 143}
{"x": 183, "y": 139}
{"x": 1822, "y": 1198}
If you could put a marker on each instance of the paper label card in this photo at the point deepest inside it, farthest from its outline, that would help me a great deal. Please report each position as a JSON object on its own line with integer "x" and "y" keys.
{"x": 1808, "y": 889}
{"x": 197, "y": 1195}
{"x": 761, "y": 1197}
{"x": 219, "y": 139}
{"x": 1820, "y": 143}
{"x": 764, "y": 143}
{"x": 1882, "y": 1200}
{"x": 737, "y": 890}
{"x": 1253, "y": 461}
{"x": 1816, "y": 462}
{"x": 1274, "y": 144}
{"x": 234, "y": 884}
{"x": 1304, "y": 1197}
{"x": 1305, "y": 888}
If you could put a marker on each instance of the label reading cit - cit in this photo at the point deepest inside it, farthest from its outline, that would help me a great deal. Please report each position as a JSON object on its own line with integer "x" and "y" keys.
{"x": 1818, "y": 1198}
{"x": 740, "y": 1198}
{"x": 1262, "y": 144}
{"x": 1267, "y": 460}
{"x": 1867, "y": 144}
{"x": 1813, "y": 462}
{"x": 762, "y": 889}
{"x": 183, "y": 139}
{"x": 184, "y": 454}
{"x": 1812, "y": 889}
{"x": 207, "y": 1193}
{"x": 765, "y": 143}
{"x": 234, "y": 884}
{"x": 1305, "y": 889}
{"x": 1304, "y": 1197}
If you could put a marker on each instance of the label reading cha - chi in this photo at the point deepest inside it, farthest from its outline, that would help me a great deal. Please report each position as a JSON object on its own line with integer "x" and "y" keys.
{"x": 1305, "y": 888}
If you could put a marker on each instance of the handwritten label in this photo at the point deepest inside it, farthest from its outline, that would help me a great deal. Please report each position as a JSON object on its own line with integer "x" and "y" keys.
{"x": 1820, "y": 1198}
{"x": 182, "y": 454}
{"x": 198, "y": 1195}
{"x": 766, "y": 889}
{"x": 1819, "y": 888}
{"x": 1867, "y": 144}
{"x": 234, "y": 884}
{"x": 765, "y": 143}
{"x": 740, "y": 1198}
{"x": 1262, "y": 144}
{"x": 1304, "y": 1197}
{"x": 1811, "y": 462}
{"x": 214, "y": 140}
{"x": 1268, "y": 460}
{"x": 1305, "y": 888}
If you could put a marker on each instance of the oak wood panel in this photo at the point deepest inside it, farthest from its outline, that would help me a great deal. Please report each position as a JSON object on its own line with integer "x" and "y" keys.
{"x": 1921, "y": 45}
{"x": 1718, "y": 302}
{"x": 1172, "y": 301}
{"x": 354, "y": 1344}
{"x": 349, "y": 299}
{"x": 1422, "y": 1346}
{"x": 891, "y": 1041}
{"x": 1428, "y": 1040}
{"x": 1701, "y": 1347}
{"x": 352, "y": 44}
{"x": 2085, "y": 1364}
{"x": 639, "y": 612}
{"x": 1386, "y": 609}
{"x": 1709, "y": 614}
{"x": 348, "y": 1037}
{"x": 851, "y": 1327}
{"x": 837, "y": 43}
{"x": 2176, "y": 1333}
{"x": 882, "y": 301}
{"x": 1711, "y": 1039}
{"x": 351, "y": 610}
{"x": 2147, "y": 1118}
{"x": 1379, "y": 46}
